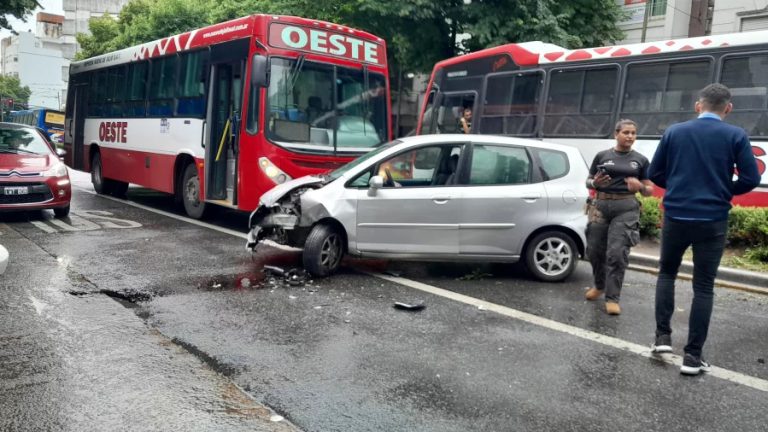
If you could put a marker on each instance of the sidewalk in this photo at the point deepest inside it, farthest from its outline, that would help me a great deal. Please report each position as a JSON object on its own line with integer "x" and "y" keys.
{"x": 645, "y": 257}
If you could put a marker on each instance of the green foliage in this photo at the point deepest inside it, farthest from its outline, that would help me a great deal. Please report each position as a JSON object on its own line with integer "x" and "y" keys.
{"x": 10, "y": 87}
{"x": 748, "y": 226}
{"x": 757, "y": 254}
{"x": 650, "y": 216}
{"x": 17, "y": 8}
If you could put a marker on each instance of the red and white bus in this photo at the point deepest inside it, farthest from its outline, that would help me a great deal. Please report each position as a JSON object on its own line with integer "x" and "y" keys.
{"x": 575, "y": 97}
{"x": 221, "y": 114}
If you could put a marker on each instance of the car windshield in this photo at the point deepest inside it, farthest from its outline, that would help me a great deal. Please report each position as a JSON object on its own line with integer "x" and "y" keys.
{"x": 22, "y": 140}
{"x": 333, "y": 175}
{"x": 322, "y": 108}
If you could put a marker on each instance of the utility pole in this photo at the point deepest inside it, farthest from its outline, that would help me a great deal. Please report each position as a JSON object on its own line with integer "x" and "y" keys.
{"x": 645, "y": 19}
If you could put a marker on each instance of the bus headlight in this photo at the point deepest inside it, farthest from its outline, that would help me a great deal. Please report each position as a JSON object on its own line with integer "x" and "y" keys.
{"x": 58, "y": 170}
{"x": 272, "y": 171}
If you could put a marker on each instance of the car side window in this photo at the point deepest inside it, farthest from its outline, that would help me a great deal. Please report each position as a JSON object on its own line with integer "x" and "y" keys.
{"x": 416, "y": 167}
{"x": 499, "y": 165}
{"x": 554, "y": 163}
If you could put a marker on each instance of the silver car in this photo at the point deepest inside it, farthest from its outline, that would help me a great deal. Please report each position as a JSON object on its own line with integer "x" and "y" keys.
{"x": 437, "y": 198}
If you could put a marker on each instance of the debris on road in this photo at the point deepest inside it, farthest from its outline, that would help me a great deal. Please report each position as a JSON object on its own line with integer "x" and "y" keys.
{"x": 414, "y": 307}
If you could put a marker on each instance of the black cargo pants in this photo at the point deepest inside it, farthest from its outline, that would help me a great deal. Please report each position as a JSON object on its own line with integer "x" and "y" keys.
{"x": 613, "y": 228}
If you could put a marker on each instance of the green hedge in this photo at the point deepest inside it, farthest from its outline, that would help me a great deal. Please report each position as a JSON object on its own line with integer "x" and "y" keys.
{"x": 747, "y": 226}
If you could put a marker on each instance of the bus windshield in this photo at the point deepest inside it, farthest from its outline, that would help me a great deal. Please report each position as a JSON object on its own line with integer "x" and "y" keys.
{"x": 322, "y": 108}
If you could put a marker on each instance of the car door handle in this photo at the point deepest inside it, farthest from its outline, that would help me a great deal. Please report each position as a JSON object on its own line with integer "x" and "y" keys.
{"x": 440, "y": 199}
{"x": 531, "y": 197}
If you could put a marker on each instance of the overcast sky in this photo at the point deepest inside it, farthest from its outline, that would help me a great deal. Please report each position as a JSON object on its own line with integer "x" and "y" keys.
{"x": 49, "y": 6}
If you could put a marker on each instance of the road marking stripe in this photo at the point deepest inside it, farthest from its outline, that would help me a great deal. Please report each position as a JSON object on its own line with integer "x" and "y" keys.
{"x": 170, "y": 215}
{"x": 644, "y": 351}
{"x": 43, "y": 226}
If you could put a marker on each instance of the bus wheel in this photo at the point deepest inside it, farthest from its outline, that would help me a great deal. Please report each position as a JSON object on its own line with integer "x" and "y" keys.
{"x": 551, "y": 256}
{"x": 323, "y": 250}
{"x": 100, "y": 184}
{"x": 193, "y": 205}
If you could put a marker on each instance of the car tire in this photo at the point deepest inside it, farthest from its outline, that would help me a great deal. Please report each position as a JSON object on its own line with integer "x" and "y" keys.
{"x": 61, "y": 212}
{"x": 323, "y": 250}
{"x": 551, "y": 256}
{"x": 119, "y": 188}
{"x": 190, "y": 192}
{"x": 101, "y": 185}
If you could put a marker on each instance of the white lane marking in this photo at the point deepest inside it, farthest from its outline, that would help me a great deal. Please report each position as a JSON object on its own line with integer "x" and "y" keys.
{"x": 736, "y": 377}
{"x": 644, "y": 351}
{"x": 171, "y": 215}
{"x": 44, "y": 226}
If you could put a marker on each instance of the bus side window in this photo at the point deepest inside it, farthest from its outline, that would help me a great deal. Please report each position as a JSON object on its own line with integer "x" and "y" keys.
{"x": 747, "y": 77}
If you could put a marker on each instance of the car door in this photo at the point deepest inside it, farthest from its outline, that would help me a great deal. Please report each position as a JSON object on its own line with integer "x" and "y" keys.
{"x": 500, "y": 205}
{"x": 416, "y": 213}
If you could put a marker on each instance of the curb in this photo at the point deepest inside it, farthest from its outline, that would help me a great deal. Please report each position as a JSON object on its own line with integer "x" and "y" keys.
{"x": 743, "y": 280}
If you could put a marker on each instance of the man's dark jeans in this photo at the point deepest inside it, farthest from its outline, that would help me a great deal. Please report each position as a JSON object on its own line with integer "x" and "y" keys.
{"x": 708, "y": 241}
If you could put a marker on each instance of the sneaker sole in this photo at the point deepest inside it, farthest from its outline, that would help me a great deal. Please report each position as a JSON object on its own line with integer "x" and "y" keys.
{"x": 689, "y": 370}
{"x": 661, "y": 349}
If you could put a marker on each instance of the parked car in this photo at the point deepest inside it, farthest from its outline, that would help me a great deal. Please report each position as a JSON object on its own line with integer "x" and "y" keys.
{"x": 32, "y": 175}
{"x": 437, "y": 198}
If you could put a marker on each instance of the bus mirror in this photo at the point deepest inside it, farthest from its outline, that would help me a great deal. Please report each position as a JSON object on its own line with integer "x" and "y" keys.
{"x": 260, "y": 71}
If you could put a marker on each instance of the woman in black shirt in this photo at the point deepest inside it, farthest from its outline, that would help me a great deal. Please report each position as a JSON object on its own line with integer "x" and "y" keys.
{"x": 616, "y": 175}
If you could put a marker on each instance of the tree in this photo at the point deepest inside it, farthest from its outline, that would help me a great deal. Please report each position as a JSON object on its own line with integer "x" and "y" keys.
{"x": 17, "y": 8}
{"x": 10, "y": 88}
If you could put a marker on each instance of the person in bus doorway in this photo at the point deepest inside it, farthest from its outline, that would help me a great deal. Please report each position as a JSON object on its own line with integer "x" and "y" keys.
{"x": 465, "y": 121}
{"x": 695, "y": 162}
{"x": 616, "y": 175}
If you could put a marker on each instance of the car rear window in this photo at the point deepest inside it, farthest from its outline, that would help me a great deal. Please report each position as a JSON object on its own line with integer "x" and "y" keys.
{"x": 22, "y": 140}
{"x": 499, "y": 165}
{"x": 554, "y": 163}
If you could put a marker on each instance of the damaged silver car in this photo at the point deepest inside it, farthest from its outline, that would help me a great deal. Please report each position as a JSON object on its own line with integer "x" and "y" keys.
{"x": 437, "y": 198}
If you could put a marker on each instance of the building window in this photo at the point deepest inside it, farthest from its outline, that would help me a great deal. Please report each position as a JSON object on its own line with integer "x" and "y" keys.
{"x": 658, "y": 7}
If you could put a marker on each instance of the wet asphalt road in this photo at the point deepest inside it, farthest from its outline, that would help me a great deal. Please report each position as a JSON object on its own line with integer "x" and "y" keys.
{"x": 131, "y": 320}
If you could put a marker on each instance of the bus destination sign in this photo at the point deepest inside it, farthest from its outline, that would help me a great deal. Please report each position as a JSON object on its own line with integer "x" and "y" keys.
{"x": 325, "y": 42}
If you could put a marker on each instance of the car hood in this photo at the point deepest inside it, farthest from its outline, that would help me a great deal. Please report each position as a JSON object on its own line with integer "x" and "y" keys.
{"x": 25, "y": 162}
{"x": 273, "y": 195}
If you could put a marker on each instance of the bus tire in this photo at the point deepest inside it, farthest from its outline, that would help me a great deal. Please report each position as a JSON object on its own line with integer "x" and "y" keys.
{"x": 101, "y": 185}
{"x": 551, "y": 256}
{"x": 190, "y": 190}
{"x": 323, "y": 250}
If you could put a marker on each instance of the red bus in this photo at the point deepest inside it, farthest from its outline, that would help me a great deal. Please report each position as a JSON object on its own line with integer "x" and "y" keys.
{"x": 221, "y": 114}
{"x": 574, "y": 97}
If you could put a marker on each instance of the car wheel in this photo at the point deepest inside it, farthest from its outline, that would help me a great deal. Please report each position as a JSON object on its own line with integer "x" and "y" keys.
{"x": 323, "y": 250}
{"x": 193, "y": 205}
{"x": 100, "y": 184}
{"x": 551, "y": 256}
{"x": 119, "y": 188}
{"x": 61, "y": 212}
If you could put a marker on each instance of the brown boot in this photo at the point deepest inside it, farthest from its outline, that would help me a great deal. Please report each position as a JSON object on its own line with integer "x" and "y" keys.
{"x": 593, "y": 294}
{"x": 612, "y": 308}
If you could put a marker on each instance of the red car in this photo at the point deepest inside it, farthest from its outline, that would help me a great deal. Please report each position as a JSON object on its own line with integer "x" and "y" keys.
{"x": 32, "y": 175}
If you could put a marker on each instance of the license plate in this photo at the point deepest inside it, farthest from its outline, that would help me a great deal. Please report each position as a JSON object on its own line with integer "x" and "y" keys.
{"x": 16, "y": 190}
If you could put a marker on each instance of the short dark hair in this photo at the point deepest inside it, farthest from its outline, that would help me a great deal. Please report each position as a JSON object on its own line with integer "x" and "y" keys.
{"x": 624, "y": 122}
{"x": 715, "y": 97}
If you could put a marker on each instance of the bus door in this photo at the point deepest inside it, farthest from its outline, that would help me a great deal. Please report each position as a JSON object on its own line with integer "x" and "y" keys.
{"x": 450, "y": 107}
{"x": 223, "y": 119}
{"x": 75, "y": 123}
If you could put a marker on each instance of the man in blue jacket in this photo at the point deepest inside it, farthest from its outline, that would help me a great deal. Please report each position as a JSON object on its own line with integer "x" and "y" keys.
{"x": 695, "y": 162}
